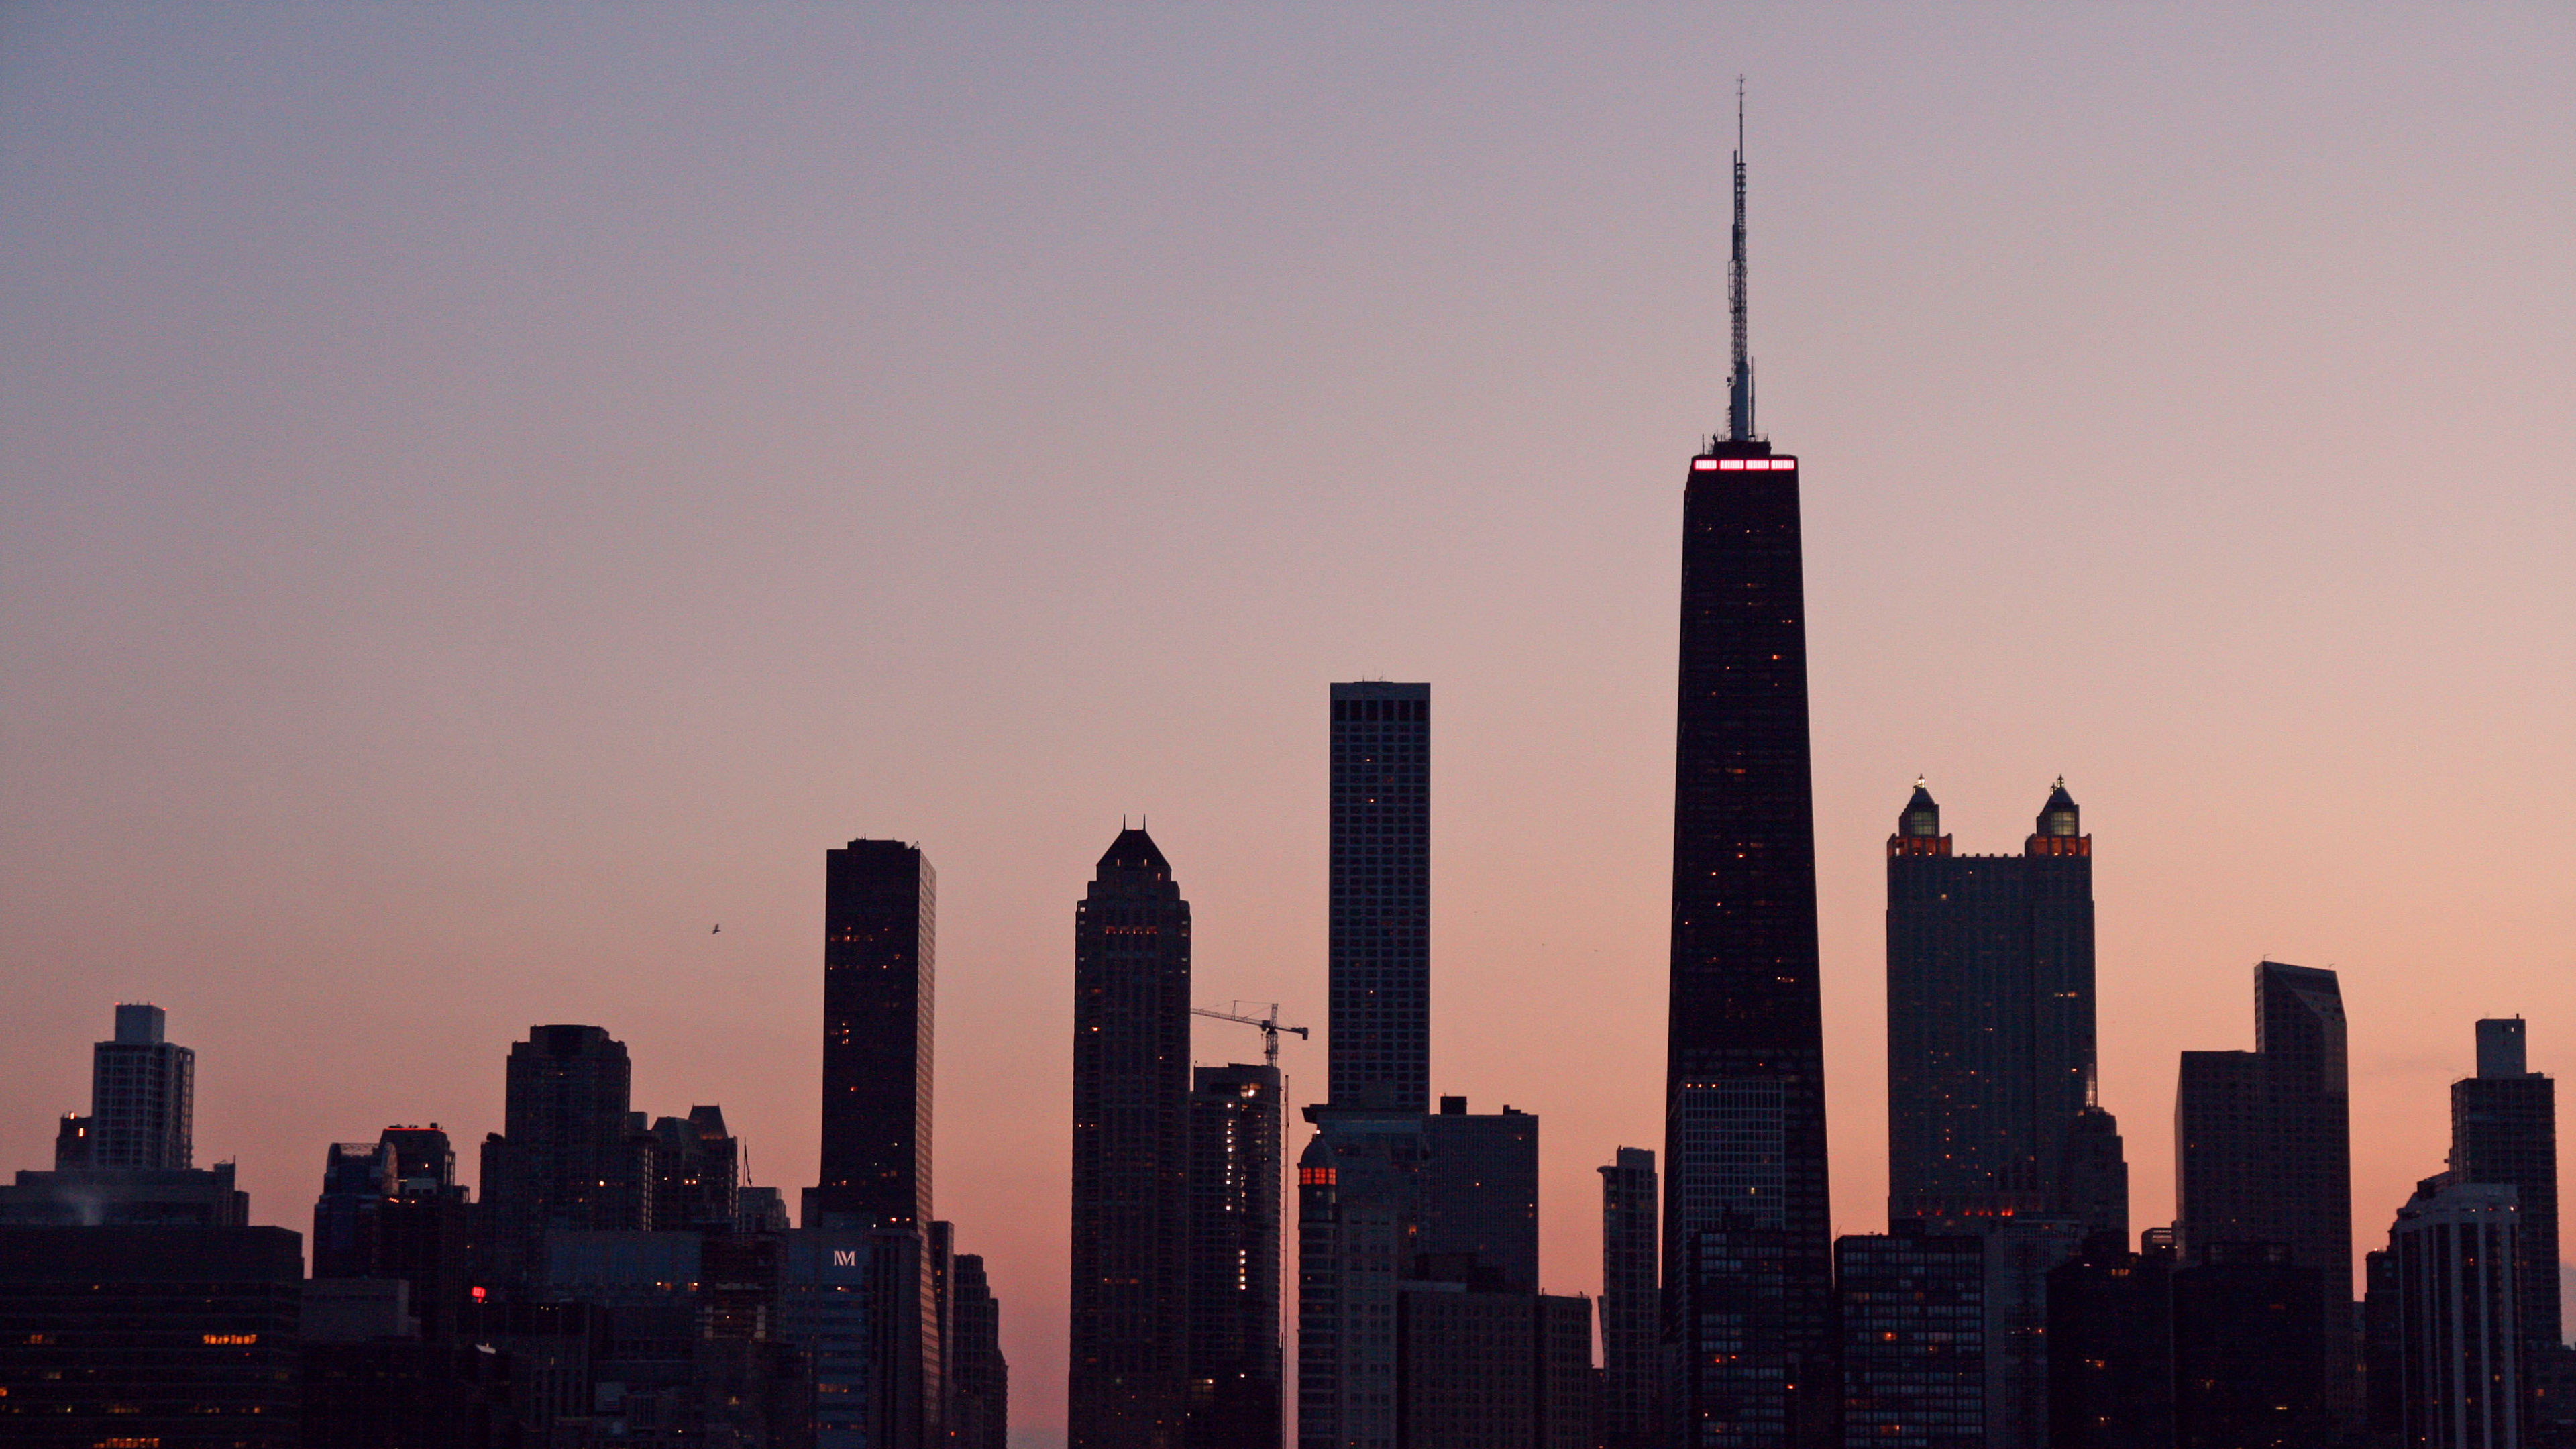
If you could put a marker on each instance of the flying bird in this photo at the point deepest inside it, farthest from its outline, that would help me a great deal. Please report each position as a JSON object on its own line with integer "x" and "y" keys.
{"x": 718, "y": 931}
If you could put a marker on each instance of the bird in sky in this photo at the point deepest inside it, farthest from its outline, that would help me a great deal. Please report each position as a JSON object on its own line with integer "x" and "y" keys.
{"x": 718, "y": 931}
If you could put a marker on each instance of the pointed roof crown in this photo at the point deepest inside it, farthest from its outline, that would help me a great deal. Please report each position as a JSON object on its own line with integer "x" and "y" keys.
{"x": 1135, "y": 850}
{"x": 1922, "y": 815}
{"x": 2059, "y": 816}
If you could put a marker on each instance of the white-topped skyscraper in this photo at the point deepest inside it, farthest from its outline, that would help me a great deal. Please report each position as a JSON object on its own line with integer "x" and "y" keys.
{"x": 1380, "y": 941}
{"x": 142, "y": 1095}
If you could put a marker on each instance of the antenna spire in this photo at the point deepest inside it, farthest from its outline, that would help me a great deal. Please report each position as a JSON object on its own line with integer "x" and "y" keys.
{"x": 1739, "y": 381}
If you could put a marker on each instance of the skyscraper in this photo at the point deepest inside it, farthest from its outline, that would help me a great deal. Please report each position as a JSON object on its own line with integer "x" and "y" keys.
{"x": 1745, "y": 1141}
{"x": 2458, "y": 1255}
{"x": 1631, "y": 1365}
{"x": 979, "y": 1378}
{"x": 2504, "y": 1129}
{"x": 2265, "y": 1152}
{"x": 1380, "y": 925}
{"x": 1128, "y": 1383}
{"x": 880, "y": 924}
{"x": 1990, "y": 1054}
{"x": 2263, "y": 1162}
{"x": 1913, "y": 1330}
{"x": 1234, "y": 1349}
{"x": 696, "y": 1171}
{"x": 142, "y": 1095}
{"x": 568, "y": 1158}
{"x": 1480, "y": 1193}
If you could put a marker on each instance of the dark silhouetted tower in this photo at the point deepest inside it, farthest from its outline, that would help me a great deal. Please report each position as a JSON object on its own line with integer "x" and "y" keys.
{"x": 1631, "y": 1362}
{"x": 569, "y": 1158}
{"x": 1747, "y": 1222}
{"x": 1131, "y": 1154}
{"x": 880, "y": 925}
{"x": 2263, "y": 1160}
{"x": 980, "y": 1379}
{"x": 1235, "y": 1145}
{"x": 697, "y": 1170}
{"x": 1380, "y": 923}
{"x": 1914, "y": 1351}
{"x": 2504, "y": 1129}
{"x": 1990, "y": 1057}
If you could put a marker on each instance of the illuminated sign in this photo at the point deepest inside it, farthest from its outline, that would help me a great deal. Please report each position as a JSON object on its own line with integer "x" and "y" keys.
{"x": 845, "y": 1257}
{"x": 1732, "y": 465}
{"x": 219, "y": 1340}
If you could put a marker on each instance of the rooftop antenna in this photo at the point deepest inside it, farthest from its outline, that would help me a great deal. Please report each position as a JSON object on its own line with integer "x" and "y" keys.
{"x": 1739, "y": 382}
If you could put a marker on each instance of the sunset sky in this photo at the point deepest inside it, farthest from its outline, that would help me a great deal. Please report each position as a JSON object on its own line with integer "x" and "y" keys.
{"x": 487, "y": 494}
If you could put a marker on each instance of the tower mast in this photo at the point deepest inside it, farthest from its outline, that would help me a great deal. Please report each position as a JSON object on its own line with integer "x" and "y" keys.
{"x": 1739, "y": 381}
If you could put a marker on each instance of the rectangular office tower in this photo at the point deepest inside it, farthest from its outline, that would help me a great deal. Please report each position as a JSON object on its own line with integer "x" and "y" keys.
{"x": 1745, "y": 1192}
{"x": 1913, "y": 1329}
{"x": 1128, "y": 1384}
{"x": 1236, "y": 1131}
{"x": 2504, "y": 1129}
{"x": 1380, "y": 926}
{"x": 1990, "y": 1054}
{"x": 880, "y": 925}
{"x": 1631, "y": 1360}
{"x": 567, "y": 1157}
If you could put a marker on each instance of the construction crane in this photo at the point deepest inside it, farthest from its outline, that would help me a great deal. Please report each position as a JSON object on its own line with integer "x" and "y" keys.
{"x": 1270, "y": 1028}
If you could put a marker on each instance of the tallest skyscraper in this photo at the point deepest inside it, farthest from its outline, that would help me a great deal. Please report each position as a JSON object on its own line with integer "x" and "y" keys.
{"x": 1747, "y": 1249}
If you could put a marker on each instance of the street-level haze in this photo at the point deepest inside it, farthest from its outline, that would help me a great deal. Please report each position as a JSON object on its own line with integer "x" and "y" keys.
{"x": 492, "y": 494}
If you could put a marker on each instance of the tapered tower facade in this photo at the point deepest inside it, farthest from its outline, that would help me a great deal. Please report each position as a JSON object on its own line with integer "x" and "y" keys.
{"x": 1129, "y": 1376}
{"x": 1748, "y": 1248}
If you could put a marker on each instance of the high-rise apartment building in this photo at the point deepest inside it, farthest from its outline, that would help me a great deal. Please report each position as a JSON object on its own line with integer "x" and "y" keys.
{"x": 2504, "y": 1130}
{"x": 979, "y": 1379}
{"x": 2260, "y": 1357}
{"x": 2263, "y": 1138}
{"x": 697, "y": 1171}
{"x": 1744, "y": 1151}
{"x": 1379, "y": 930}
{"x": 569, "y": 1158}
{"x": 2458, "y": 1258}
{"x": 1236, "y": 1129}
{"x": 1632, "y": 1367}
{"x": 1913, "y": 1331}
{"x": 880, "y": 925}
{"x": 1358, "y": 1217}
{"x": 142, "y": 1095}
{"x": 2111, "y": 1351}
{"x": 1128, "y": 1382}
{"x": 1479, "y": 1179}
{"x": 1990, "y": 1051}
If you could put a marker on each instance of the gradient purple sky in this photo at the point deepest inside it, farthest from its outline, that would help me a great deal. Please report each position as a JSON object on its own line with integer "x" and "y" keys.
{"x": 490, "y": 493}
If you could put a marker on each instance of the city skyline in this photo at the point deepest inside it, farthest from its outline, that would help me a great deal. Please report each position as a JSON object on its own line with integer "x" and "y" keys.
{"x": 332, "y": 730}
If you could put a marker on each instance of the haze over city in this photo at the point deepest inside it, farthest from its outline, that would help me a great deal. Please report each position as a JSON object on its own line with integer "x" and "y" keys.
{"x": 493, "y": 495}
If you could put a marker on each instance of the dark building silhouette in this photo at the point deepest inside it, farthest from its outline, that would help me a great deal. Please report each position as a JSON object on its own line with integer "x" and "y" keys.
{"x": 1913, "y": 1331}
{"x": 1990, "y": 1026}
{"x": 1236, "y": 1130}
{"x": 2111, "y": 1350}
{"x": 2093, "y": 1188}
{"x": 2021, "y": 1252}
{"x": 570, "y": 1158}
{"x": 2456, "y": 1248}
{"x": 978, "y": 1377}
{"x": 879, "y": 958}
{"x": 142, "y": 1095}
{"x": 2263, "y": 1151}
{"x": 1744, "y": 1152}
{"x": 178, "y": 1337}
{"x": 853, "y": 1300}
{"x": 697, "y": 1169}
{"x": 1479, "y": 1367}
{"x": 373, "y": 1381}
{"x": 2504, "y": 1129}
{"x": 127, "y": 1197}
{"x": 1380, "y": 921}
{"x": 1479, "y": 1180}
{"x": 392, "y": 1209}
{"x": 680, "y": 1357}
{"x": 1128, "y": 1385}
{"x": 2255, "y": 1364}
{"x": 1632, "y": 1368}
